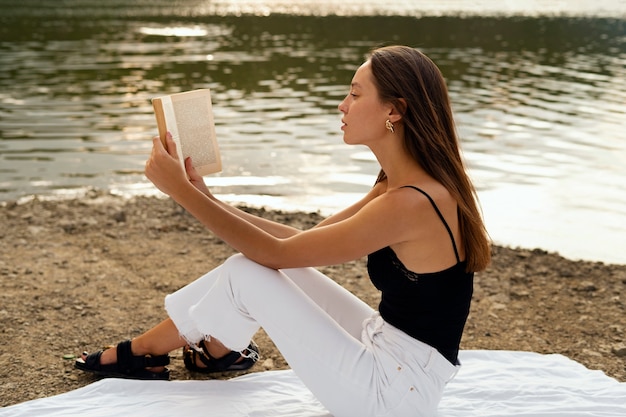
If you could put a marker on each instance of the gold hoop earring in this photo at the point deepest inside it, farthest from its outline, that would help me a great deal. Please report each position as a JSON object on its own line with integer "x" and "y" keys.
{"x": 389, "y": 125}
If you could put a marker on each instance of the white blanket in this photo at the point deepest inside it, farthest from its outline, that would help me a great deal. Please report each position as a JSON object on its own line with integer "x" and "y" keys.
{"x": 489, "y": 384}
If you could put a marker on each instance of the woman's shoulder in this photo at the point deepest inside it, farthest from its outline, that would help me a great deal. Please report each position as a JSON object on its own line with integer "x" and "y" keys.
{"x": 420, "y": 196}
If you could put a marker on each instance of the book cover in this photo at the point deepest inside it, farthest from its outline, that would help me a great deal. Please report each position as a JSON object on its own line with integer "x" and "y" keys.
{"x": 188, "y": 116}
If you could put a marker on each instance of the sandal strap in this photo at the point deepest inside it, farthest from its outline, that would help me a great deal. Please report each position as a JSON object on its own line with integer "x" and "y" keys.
{"x": 220, "y": 364}
{"x": 234, "y": 361}
{"x": 92, "y": 361}
{"x": 129, "y": 363}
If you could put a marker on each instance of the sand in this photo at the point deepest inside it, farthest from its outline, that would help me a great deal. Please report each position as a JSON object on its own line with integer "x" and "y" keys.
{"x": 89, "y": 272}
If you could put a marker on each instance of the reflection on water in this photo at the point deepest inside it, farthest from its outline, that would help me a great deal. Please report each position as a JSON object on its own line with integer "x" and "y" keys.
{"x": 540, "y": 103}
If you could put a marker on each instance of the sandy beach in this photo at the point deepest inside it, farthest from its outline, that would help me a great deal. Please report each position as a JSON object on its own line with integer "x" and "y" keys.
{"x": 85, "y": 273}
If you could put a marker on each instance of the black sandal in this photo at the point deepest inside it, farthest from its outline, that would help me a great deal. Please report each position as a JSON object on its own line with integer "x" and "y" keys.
{"x": 227, "y": 363}
{"x": 127, "y": 366}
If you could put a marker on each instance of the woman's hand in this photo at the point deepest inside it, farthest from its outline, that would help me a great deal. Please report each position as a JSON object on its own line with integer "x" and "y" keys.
{"x": 196, "y": 179}
{"x": 163, "y": 167}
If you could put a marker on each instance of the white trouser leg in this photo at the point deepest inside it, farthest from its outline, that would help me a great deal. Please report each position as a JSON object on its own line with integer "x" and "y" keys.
{"x": 315, "y": 323}
{"x": 203, "y": 305}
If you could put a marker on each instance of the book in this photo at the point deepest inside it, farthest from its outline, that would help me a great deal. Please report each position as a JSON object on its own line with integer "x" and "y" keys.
{"x": 188, "y": 116}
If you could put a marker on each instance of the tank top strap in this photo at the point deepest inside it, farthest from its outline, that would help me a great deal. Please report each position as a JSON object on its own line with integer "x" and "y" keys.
{"x": 443, "y": 220}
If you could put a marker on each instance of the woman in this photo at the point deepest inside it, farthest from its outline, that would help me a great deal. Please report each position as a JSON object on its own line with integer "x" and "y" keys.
{"x": 419, "y": 226}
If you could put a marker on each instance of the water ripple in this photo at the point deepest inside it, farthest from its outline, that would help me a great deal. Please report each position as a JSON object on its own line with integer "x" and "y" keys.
{"x": 540, "y": 105}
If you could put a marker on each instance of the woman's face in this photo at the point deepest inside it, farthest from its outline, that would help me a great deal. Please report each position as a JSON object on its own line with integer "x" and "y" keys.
{"x": 364, "y": 115}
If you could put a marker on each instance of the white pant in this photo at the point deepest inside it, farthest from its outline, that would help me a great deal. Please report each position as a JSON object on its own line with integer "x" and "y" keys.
{"x": 354, "y": 362}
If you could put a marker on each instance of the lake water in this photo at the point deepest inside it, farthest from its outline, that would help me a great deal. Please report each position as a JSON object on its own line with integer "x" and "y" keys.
{"x": 538, "y": 89}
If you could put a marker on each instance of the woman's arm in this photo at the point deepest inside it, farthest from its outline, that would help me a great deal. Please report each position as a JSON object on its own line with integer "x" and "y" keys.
{"x": 274, "y": 228}
{"x": 377, "y": 190}
{"x": 376, "y": 223}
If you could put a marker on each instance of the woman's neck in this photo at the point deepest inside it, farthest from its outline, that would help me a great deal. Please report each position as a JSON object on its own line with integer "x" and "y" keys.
{"x": 400, "y": 168}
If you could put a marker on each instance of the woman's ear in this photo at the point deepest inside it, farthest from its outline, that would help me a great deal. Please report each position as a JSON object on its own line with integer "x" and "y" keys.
{"x": 397, "y": 110}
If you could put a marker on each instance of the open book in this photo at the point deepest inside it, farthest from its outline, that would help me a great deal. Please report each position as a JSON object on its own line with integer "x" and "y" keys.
{"x": 188, "y": 117}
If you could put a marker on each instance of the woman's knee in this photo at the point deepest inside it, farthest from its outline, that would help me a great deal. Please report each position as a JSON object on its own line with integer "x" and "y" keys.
{"x": 239, "y": 262}
{"x": 241, "y": 269}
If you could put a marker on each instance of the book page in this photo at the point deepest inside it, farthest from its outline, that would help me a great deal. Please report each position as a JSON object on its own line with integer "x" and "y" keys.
{"x": 189, "y": 118}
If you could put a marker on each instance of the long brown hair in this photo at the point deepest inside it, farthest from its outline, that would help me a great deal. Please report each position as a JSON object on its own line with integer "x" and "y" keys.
{"x": 410, "y": 81}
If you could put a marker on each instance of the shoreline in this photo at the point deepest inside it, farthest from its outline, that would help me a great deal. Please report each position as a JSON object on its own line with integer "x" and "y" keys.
{"x": 86, "y": 272}
{"x": 602, "y": 247}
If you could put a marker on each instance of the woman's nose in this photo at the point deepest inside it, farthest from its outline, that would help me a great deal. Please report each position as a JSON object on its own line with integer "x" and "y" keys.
{"x": 342, "y": 106}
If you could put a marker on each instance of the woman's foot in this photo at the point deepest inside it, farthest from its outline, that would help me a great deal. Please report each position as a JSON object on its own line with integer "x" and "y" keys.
{"x": 121, "y": 362}
{"x": 214, "y": 357}
{"x": 109, "y": 357}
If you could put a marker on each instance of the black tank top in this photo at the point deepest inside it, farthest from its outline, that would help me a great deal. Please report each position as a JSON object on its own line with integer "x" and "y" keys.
{"x": 431, "y": 307}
